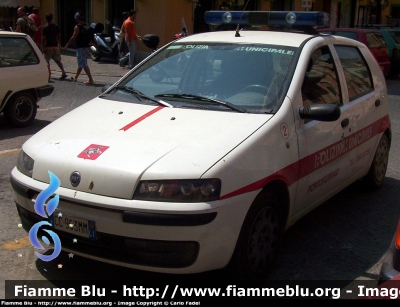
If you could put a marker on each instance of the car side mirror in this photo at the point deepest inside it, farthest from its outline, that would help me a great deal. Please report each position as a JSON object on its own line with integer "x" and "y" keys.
{"x": 321, "y": 112}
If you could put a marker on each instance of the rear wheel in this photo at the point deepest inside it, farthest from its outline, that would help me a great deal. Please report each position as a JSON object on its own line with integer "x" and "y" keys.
{"x": 377, "y": 171}
{"x": 21, "y": 109}
{"x": 95, "y": 55}
{"x": 259, "y": 238}
{"x": 117, "y": 53}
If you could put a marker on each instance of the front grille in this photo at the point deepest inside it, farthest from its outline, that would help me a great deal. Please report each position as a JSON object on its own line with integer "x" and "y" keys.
{"x": 155, "y": 253}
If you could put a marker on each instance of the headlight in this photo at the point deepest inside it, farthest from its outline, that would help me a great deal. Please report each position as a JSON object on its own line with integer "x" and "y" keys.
{"x": 25, "y": 164}
{"x": 191, "y": 191}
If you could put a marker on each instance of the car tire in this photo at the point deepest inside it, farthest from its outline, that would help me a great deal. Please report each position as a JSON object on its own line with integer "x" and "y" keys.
{"x": 21, "y": 109}
{"x": 259, "y": 239}
{"x": 377, "y": 172}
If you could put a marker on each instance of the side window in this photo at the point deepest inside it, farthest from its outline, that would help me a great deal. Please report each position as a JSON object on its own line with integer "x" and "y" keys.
{"x": 15, "y": 51}
{"x": 320, "y": 85}
{"x": 357, "y": 73}
{"x": 375, "y": 40}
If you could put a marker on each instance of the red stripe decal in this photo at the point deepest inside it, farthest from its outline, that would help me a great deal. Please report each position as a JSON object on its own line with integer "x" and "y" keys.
{"x": 307, "y": 165}
{"x": 287, "y": 174}
{"x": 136, "y": 121}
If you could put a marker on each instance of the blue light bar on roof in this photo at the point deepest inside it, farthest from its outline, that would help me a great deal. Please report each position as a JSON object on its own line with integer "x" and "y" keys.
{"x": 223, "y": 17}
{"x": 268, "y": 18}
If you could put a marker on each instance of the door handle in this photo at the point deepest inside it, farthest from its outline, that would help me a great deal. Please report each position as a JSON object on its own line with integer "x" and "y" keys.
{"x": 345, "y": 122}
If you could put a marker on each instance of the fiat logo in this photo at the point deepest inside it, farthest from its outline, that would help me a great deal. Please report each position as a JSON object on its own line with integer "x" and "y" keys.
{"x": 75, "y": 178}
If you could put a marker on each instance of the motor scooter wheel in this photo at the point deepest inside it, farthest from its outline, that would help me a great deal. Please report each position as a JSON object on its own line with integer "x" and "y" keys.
{"x": 95, "y": 55}
{"x": 157, "y": 75}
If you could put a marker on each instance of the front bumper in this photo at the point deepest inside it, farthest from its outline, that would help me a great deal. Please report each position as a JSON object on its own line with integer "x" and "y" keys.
{"x": 171, "y": 242}
{"x": 44, "y": 91}
{"x": 166, "y": 254}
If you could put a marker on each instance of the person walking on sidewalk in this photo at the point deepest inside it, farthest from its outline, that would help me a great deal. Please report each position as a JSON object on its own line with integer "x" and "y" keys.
{"x": 52, "y": 43}
{"x": 38, "y": 21}
{"x": 81, "y": 48}
{"x": 131, "y": 36}
{"x": 22, "y": 23}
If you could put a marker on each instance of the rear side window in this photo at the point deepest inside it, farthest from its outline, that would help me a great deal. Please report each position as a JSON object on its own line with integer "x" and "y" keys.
{"x": 395, "y": 35}
{"x": 357, "y": 73}
{"x": 16, "y": 51}
{"x": 375, "y": 40}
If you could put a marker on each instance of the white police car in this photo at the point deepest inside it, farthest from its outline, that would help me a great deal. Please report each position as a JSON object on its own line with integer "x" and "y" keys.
{"x": 206, "y": 152}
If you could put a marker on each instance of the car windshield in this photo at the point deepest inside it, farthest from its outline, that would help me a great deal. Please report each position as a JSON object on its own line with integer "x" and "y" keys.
{"x": 249, "y": 78}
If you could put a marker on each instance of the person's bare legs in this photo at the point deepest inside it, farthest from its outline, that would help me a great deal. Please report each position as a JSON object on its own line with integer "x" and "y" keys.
{"x": 60, "y": 65}
{"x": 89, "y": 74}
{"x": 78, "y": 72}
{"x": 48, "y": 66}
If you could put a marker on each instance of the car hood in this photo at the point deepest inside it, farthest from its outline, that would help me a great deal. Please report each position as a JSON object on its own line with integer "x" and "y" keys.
{"x": 113, "y": 145}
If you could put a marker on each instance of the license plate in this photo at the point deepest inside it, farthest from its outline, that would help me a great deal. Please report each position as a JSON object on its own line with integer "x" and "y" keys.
{"x": 75, "y": 225}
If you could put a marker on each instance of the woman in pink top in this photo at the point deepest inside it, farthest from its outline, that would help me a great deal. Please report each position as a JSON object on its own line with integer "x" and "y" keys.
{"x": 38, "y": 21}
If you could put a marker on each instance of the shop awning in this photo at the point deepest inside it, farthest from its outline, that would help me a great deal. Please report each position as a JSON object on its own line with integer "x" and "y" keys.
{"x": 16, "y": 3}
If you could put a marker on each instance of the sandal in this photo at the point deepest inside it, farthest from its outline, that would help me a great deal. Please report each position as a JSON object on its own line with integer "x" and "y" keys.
{"x": 73, "y": 79}
{"x": 88, "y": 83}
{"x": 63, "y": 76}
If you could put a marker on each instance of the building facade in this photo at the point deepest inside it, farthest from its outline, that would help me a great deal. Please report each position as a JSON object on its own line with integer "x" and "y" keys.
{"x": 167, "y": 17}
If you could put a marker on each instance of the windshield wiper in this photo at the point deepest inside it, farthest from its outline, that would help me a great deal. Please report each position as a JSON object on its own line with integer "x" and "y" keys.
{"x": 139, "y": 95}
{"x": 192, "y": 97}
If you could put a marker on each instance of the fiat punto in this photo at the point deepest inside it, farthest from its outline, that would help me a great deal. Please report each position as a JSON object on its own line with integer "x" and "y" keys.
{"x": 207, "y": 151}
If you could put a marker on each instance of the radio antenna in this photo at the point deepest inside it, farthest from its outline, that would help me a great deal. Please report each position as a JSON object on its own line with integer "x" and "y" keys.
{"x": 237, "y": 28}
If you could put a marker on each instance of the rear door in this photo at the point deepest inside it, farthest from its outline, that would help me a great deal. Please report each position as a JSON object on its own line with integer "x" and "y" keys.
{"x": 364, "y": 95}
{"x": 376, "y": 44}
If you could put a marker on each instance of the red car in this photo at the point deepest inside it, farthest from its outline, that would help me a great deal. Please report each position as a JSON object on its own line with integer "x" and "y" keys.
{"x": 373, "y": 39}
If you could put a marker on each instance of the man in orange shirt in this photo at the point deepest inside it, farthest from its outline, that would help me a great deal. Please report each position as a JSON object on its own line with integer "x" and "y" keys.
{"x": 123, "y": 49}
{"x": 131, "y": 36}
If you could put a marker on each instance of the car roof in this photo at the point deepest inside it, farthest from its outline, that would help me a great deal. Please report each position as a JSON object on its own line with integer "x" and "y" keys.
{"x": 8, "y": 33}
{"x": 258, "y": 37}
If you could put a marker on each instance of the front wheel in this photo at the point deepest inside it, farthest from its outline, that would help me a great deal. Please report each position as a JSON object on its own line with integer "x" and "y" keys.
{"x": 95, "y": 55}
{"x": 259, "y": 238}
{"x": 21, "y": 109}
{"x": 377, "y": 171}
{"x": 157, "y": 75}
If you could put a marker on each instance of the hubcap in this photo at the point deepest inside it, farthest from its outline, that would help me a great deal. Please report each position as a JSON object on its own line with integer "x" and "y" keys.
{"x": 23, "y": 109}
{"x": 263, "y": 239}
{"x": 381, "y": 160}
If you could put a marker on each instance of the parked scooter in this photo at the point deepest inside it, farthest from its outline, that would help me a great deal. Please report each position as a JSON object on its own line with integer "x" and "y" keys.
{"x": 179, "y": 35}
{"x": 105, "y": 45}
